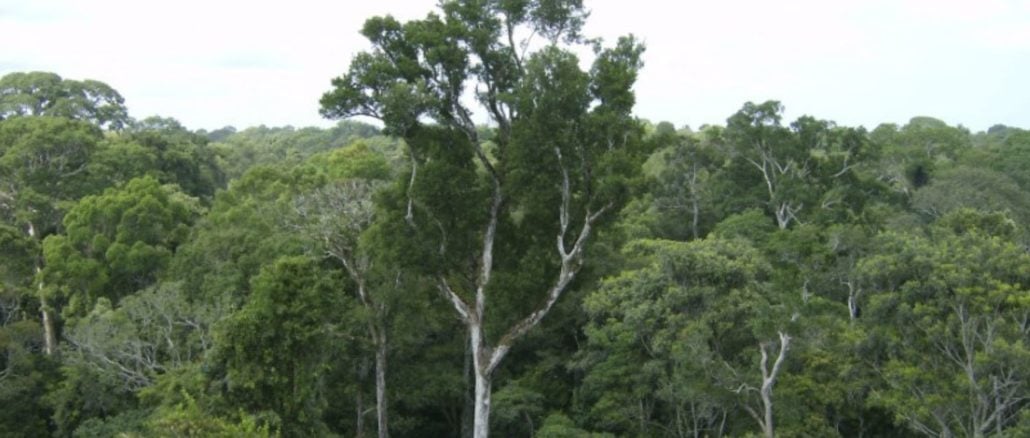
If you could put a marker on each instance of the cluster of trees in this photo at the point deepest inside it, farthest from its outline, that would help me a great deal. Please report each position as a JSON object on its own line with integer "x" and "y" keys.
{"x": 564, "y": 270}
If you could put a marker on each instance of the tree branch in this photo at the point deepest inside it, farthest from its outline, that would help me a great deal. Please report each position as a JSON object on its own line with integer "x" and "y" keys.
{"x": 455, "y": 300}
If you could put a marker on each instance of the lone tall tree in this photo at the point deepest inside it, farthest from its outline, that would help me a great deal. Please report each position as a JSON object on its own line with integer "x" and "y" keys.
{"x": 504, "y": 221}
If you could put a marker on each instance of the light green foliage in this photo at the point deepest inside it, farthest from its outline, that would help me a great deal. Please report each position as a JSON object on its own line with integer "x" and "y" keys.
{"x": 147, "y": 335}
{"x": 560, "y": 426}
{"x": 752, "y": 225}
{"x": 242, "y": 150}
{"x": 934, "y": 138}
{"x": 1009, "y": 156}
{"x": 672, "y": 338}
{"x": 186, "y": 419}
{"x": 948, "y": 315}
{"x": 912, "y": 153}
{"x": 974, "y": 188}
{"x": 358, "y": 160}
{"x": 82, "y": 393}
{"x": 116, "y": 243}
{"x": 47, "y": 94}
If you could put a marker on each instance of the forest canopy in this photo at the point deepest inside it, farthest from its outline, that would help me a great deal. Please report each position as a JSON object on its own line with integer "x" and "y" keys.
{"x": 498, "y": 245}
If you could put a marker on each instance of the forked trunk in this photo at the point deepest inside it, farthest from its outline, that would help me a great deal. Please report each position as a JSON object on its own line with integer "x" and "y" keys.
{"x": 769, "y": 380}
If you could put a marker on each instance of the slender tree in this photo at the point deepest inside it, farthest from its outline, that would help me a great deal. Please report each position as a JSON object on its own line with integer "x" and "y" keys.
{"x": 335, "y": 216}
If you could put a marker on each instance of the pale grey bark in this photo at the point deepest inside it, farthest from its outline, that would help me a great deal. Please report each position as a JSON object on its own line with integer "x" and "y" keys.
{"x": 854, "y": 294}
{"x": 772, "y": 172}
{"x": 769, "y": 379}
{"x": 150, "y": 332}
{"x": 470, "y": 305}
{"x": 765, "y": 392}
{"x": 49, "y": 332}
{"x": 481, "y": 415}
{"x": 487, "y": 358}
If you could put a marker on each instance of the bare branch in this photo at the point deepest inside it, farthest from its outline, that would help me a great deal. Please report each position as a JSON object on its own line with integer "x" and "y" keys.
{"x": 571, "y": 263}
{"x": 563, "y": 209}
{"x": 409, "y": 217}
{"x": 455, "y": 300}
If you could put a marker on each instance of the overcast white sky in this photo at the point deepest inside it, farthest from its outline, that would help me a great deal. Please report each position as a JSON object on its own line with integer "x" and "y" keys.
{"x": 211, "y": 63}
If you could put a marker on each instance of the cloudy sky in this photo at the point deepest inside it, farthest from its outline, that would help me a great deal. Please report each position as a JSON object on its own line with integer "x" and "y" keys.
{"x": 211, "y": 63}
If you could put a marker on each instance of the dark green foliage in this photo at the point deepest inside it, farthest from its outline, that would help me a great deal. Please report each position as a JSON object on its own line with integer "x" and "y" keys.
{"x": 25, "y": 376}
{"x": 241, "y": 232}
{"x": 275, "y": 350}
{"x": 195, "y": 285}
{"x": 19, "y": 252}
{"x": 82, "y": 393}
{"x": 130, "y": 422}
{"x": 180, "y": 156}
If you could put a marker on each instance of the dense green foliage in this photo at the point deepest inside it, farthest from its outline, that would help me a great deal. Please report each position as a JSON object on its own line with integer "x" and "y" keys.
{"x": 796, "y": 278}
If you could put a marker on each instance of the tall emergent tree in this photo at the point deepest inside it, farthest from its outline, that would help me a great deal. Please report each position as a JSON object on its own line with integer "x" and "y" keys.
{"x": 504, "y": 222}
{"x": 43, "y": 167}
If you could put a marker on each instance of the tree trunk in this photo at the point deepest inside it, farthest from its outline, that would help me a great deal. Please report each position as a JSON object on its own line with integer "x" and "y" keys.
{"x": 481, "y": 423}
{"x": 381, "y": 408}
{"x": 696, "y": 210}
{"x": 482, "y": 372}
{"x": 767, "y": 426}
{"x": 769, "y": 380}
{"x": 49, "y": 333}
{"x": 485, "y": 358}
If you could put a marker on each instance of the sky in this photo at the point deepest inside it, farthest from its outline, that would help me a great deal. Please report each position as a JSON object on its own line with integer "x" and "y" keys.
{"x": 212, "y": 63}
